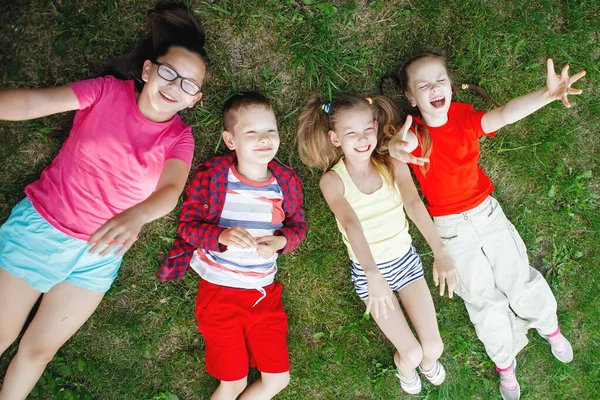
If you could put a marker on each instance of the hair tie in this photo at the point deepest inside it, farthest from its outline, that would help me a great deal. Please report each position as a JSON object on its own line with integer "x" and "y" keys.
{"x": 369, "y": 100}
{"x": 326, "y": 107}
{"x": 464, "y": 86}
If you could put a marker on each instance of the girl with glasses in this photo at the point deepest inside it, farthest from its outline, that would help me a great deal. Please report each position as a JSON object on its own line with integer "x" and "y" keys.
{"x": 124, "y": 164}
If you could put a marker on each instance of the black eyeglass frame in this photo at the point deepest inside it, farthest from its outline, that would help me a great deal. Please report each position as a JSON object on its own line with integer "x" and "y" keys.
{"x": 176, "y": 76}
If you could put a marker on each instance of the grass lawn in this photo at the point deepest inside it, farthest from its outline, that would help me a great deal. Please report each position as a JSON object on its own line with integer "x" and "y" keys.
{"x": 142, "y": 342}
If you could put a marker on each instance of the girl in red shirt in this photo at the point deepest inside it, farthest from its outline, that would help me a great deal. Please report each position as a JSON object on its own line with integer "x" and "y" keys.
{"x": 504, "y": 296}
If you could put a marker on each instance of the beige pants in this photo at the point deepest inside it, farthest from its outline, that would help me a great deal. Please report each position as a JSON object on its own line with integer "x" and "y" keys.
{"x": 504, "y": 296}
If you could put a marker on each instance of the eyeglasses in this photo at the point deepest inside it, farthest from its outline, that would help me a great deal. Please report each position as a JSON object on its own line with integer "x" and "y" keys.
{"x": 169, "y": 74}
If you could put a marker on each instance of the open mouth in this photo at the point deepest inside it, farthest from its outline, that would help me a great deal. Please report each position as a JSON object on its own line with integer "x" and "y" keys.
{"x": 363, "y": 149}
{"x": 438, "y": 102}
{"x": 166, "y": 97}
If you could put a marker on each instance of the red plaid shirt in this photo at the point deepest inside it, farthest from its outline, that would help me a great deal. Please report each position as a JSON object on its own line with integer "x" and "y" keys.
{"x": 200, "y": 213}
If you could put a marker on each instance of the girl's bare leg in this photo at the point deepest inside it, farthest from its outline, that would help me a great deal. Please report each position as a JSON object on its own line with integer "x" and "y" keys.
{"x": 63, "y": 310}
{"x": 418, "y": 304}
{"x": 17, "y": 299}
{"x": 408, "y": 350}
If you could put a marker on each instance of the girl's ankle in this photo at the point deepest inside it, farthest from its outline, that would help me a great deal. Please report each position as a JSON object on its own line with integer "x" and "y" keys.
{"x": 426, "y": 368}
{"x": 505, "y": 371}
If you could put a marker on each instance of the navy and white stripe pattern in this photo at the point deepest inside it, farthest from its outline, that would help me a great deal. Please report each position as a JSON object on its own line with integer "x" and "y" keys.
{"x": 398, "y": 273}
{"x": 258, "y": 209}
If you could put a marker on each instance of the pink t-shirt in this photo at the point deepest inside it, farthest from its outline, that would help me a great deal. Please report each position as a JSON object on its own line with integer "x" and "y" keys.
{"x": 111, "y": 161}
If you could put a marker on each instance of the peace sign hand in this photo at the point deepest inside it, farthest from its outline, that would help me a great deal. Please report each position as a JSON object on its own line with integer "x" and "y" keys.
{"x": 401, "y": 145}
{"x": 559, "y": 86}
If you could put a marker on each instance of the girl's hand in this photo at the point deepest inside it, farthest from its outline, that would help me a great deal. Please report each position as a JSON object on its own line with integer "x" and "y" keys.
{"x": 444, "y": 272}
{"x": 399, "y": 147}
{"x": 380, "y": 296}
{"x": 559, "y": 86}
{"x": 237, "y": 236}
{"x": 268, "y": 245}
{"x": 122, "y": 229}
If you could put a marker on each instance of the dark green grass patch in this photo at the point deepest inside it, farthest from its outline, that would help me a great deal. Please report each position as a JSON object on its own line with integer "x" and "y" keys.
{"x": 142, "y": 343}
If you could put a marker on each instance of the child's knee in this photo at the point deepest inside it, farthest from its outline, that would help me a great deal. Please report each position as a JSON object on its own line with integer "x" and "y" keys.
{"x": 6, "y": 339}
{"x": 276, "y": 382}
{"x": 411, "y": 357}
{"x": 233, "y": 388}
{"x": 36, "y": 352}
{"x": 8, "y": 334}
{"x": 433, "y": 349}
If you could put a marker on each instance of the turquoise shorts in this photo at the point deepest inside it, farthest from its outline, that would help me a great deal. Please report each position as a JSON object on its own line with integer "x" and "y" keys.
{"x": 43, "y": 256}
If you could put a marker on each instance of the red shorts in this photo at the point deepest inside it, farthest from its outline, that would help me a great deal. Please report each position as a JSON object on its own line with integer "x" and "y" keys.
{"x": 238, "y": 334}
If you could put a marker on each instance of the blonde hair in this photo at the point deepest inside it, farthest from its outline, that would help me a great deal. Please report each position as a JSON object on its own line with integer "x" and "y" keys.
{"x": 314, "y": 124}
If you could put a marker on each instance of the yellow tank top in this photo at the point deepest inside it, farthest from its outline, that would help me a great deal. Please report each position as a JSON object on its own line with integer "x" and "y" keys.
{"x": 381, "y": 215}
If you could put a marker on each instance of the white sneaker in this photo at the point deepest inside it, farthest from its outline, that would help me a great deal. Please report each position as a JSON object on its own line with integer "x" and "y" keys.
{"x": 436, "y": 374}
{"x": 412, "y": 385}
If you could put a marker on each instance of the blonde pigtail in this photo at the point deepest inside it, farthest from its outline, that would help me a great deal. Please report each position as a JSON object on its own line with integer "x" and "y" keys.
{"x": 314, "y": 146}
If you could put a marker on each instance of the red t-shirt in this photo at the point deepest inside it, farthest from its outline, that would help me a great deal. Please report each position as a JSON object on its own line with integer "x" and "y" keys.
{"x": 454, "y": 181}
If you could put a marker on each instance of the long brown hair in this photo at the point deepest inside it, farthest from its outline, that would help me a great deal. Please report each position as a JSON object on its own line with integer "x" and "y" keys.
{"x": 167, "y": 25}
{"x": 318, "y": 118}
{"x": 400, "y": 78}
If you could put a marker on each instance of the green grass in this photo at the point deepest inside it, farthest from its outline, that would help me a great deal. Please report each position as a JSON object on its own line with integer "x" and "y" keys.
{"x": 143, "y": 343}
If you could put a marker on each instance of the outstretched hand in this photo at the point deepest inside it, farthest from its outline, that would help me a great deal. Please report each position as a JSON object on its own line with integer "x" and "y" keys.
{"x": 444, "y": 273}
{"x": 559, "y": 86}
{"x": 400, "y": 148}
{"x": 122, "y": 229}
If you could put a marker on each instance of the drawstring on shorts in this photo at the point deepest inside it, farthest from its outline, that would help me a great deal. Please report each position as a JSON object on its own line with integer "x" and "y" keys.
{"x": 263, "y": 293}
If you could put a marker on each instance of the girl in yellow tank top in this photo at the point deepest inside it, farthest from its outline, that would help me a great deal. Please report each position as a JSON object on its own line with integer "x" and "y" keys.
{"x": 368, "y": 192}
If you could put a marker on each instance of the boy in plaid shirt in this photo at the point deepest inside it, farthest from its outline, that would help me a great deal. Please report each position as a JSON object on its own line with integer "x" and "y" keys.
{"x": 241, "y": 210}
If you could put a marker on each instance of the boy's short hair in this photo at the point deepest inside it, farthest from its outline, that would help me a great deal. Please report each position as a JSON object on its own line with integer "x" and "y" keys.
{"x": 241, "y": 100}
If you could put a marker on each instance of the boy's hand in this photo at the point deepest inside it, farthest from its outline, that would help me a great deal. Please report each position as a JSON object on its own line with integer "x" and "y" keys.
{"x": 237, "y": 236}
{"x": 444, "y": 272}
{"x": 268, "y": 245}
{"x": 559, "y": 86}
{"x": 380, "y": 296}
{"x": 400, "y": 148}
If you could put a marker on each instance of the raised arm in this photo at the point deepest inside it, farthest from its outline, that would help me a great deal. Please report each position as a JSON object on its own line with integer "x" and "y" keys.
{"x": 444, "y": 270}
{"x": 24, "y": 104}
{"x": 380, "y": 293}
{"x": 557, "y": 87}
{"x": 125, "y": 227}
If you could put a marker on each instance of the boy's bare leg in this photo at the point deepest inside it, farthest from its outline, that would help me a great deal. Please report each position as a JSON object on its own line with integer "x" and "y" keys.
{"x": 230, "y": 390}
{"x": 267, "y": 386}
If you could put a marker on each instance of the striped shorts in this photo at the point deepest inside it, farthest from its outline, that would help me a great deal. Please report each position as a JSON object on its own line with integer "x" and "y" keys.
{"x": 398, "y": 273}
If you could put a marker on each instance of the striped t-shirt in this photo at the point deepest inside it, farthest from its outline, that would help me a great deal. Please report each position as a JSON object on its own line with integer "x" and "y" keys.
{"x": 256, "y": 207}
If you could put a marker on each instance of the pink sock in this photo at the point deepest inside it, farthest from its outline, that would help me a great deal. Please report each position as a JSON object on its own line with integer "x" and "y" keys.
{"x": 508, "y": 379}
{"x": 557, "y": 340}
